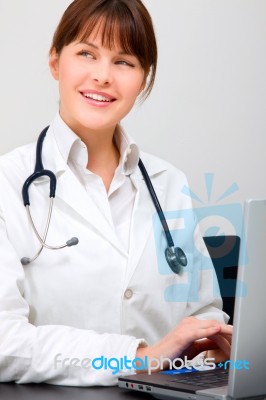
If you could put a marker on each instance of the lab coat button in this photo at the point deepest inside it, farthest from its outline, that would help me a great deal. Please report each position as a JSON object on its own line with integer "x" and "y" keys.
{"x": 129, "y": 151}
{"x": 128, "y": 294}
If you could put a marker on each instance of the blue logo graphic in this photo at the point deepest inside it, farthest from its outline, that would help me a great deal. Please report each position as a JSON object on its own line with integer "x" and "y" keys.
{"x": 238, "y": 364}
{"x": 214, "y": 220}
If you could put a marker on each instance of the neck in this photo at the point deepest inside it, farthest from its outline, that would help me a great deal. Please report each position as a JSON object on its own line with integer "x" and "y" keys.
{"x": 102, "y": 150}
{"x": 103, "y": 154}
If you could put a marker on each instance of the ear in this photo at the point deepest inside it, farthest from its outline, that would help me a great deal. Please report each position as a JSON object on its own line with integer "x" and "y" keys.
{"x": 142, "y": 88}
{"x": 144, "y": 83}
{"x": 54, "y": 64}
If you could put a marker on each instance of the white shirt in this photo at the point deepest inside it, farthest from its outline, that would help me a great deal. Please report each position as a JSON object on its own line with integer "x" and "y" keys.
{"x": 94, "y": 299}
{"x": 116, "y": 205}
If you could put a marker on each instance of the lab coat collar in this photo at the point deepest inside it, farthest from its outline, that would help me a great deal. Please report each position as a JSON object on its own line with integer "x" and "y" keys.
{"x": 55, "y": 158}
{"x": 71, "y": 146}
{"x": 71, "y": 193}
{"x": 153, "y": 165}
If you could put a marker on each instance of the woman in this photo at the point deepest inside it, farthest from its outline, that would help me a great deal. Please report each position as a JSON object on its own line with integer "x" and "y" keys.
{"x": 113, "y": 294}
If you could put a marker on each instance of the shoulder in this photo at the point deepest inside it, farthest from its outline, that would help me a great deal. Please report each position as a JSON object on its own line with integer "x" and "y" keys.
{"x": 169, "y": 182}
{"x": 157, "y": 166}
{"x": 17, "y": 162}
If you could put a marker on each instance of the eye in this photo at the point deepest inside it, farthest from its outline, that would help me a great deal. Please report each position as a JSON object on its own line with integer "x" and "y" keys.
{"x": 126, "y": 63}
{"x": 85, "y": 54}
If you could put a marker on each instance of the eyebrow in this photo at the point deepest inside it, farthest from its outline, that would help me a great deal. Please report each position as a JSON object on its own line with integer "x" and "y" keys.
{"x": 121, "y": 53}
{"x": 89, "y": 44}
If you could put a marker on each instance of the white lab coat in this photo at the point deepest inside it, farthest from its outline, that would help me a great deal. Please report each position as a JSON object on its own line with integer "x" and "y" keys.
{"x": 93, "y": 299}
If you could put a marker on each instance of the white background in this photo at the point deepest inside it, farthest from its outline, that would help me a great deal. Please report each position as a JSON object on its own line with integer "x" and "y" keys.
{"x": 207, "y": 113}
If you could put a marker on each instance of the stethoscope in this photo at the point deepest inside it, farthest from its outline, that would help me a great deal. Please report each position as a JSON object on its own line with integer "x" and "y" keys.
{"x": 175, "y": 256}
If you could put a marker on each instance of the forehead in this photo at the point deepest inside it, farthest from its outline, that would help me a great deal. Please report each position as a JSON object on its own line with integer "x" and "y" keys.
{"x": 110, "y": 33}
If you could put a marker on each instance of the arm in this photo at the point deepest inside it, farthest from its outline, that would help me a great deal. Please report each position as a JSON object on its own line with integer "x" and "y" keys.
{"x": 31, "y": 353}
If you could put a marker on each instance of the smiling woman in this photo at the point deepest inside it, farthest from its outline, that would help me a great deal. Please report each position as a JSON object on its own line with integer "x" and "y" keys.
{"x": 125, "y": 24}
{"x": 102, "y": 53}
{"x": 98, "y": 86}
{"x": 106, "y": 296}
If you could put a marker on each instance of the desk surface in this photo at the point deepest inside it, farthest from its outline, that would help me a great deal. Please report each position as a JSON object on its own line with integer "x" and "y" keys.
{"x": 11, "y": 391}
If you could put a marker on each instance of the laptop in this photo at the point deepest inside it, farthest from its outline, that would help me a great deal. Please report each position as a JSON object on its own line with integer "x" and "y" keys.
{"x": 244, "y": 375}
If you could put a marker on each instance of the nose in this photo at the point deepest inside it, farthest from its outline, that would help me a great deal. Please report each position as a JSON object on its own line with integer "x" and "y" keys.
{"x": 102, "y": 74}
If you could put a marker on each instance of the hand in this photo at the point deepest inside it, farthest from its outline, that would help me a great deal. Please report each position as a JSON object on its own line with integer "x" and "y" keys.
{"x": 185, "y": 338}
{"x": 218, "y": 346}
{"x": 223, "y": 341}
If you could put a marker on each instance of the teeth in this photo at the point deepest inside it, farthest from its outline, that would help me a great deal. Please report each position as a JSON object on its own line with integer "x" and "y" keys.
{"x": 97, "y": 97}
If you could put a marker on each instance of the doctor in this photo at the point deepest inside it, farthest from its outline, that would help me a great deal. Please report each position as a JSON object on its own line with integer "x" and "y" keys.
{"x": 113, "y": 294}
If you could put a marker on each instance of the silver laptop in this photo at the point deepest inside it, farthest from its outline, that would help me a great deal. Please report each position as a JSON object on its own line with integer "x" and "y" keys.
{"x": 244, "y": 375}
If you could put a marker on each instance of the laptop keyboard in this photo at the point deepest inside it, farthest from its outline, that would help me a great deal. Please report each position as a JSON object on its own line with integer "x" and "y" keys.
{"x": 213, "y": 378}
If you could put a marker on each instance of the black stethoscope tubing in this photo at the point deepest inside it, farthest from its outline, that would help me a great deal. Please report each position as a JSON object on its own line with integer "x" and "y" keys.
{"x": 156, "y": 203}
{"x": 175, "y": 256}
{"x": 39, "y": 171}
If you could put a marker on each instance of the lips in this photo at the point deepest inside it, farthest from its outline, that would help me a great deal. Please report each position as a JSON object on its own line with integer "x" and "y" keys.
{"x": 98, "y": 96}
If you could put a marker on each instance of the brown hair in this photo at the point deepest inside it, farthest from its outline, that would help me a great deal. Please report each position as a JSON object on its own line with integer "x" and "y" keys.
{"x": 125, "y": 20}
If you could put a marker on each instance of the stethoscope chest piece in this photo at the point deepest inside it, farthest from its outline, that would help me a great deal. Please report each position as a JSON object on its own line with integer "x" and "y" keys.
{"x": 175, "y": 258}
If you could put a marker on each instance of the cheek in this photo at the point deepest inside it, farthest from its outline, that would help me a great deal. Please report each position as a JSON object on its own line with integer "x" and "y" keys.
{"x": 134, "y": 86}
{"x": 68, "y": 86}
{"x": 70, "y": 74}
{"x": 66, "y": 79}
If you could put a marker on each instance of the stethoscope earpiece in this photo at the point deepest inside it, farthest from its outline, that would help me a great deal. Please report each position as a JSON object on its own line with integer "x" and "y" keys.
{"x": 25, "y": 260}
{"x": 72, "y": 242}
{"x": 175, "y": 258}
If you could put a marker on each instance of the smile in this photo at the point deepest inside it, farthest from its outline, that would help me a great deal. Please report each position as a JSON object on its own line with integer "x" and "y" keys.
{"x": 98, "y": 97}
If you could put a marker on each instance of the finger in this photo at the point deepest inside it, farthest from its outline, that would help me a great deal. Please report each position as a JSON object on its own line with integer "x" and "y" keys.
{"x": 227, "y": 337}
{"x": 226, "y": 329}
{"x": 207, "y": 328}
{"x": 206, "y": 332}
{"x": 222, "y": 343}
{"x": 209, "y": 324}
{"x": 205, "y": 344}
{"x": 193, "y": 329}
{"x": 218, "y": 356}
{"x": 198, "y": 347}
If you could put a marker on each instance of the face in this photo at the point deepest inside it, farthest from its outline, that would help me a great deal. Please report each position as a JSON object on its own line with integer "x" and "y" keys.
{"x": 98, "y": 86}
